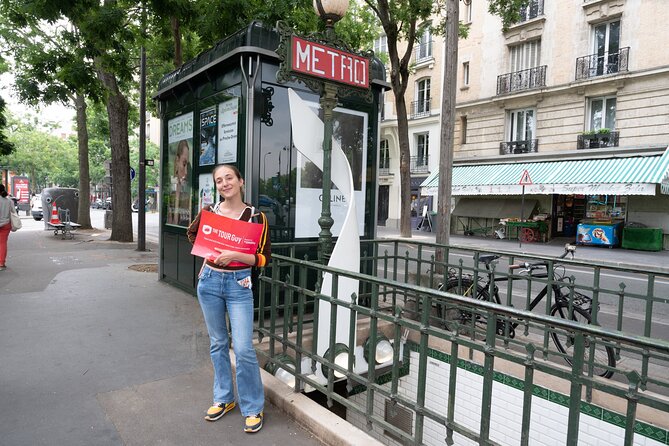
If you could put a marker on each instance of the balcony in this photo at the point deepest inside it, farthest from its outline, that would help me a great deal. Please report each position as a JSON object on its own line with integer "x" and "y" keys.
{"x": 532, "y": 10}
{"x": 597, "y": 140}
{"x": 420, "y": 109}
{"x": 419, "y": 164}
{"x": 599, "y": 65}
{"x": 517, "y": 147}
{"x": 423, "y": 52}
{"x": 522, "y": 80}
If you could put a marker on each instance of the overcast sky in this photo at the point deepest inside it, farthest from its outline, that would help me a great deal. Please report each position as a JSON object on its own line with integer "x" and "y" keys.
{"x": 54, "y": 113}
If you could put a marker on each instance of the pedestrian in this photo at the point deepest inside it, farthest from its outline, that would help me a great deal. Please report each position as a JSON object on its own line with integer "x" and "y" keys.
{"x": 225, "y": 289}
{"x": 6, "y": 205}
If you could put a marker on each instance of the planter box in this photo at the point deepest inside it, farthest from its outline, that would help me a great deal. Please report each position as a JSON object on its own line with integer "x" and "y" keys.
{"x": 644, "y": 239}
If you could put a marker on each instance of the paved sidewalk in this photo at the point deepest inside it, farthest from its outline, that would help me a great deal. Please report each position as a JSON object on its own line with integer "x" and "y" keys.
{"x": 648, "y": 260}
{"x": 96, "y": 351}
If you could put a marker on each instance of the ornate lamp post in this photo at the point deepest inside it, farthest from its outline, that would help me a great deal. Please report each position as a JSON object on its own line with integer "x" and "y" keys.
{"x": 330, "y": 11}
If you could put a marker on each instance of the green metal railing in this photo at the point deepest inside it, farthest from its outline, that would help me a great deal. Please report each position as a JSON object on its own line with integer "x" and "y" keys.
{"x": 398, "y": 296}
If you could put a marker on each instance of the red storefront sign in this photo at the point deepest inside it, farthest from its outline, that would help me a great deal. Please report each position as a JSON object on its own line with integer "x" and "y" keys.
{"x": 315, "y": 59}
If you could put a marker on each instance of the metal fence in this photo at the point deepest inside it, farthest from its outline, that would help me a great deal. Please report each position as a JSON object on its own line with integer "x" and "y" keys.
{"x": 398, "y": 295}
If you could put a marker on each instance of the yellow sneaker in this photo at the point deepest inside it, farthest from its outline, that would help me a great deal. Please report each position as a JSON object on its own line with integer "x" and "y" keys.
{"x": 218, "y": 410}
{"x": 253, "y": 423}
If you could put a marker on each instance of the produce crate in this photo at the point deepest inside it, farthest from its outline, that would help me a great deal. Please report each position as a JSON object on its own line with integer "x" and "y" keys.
{"x": 644, "y": 239}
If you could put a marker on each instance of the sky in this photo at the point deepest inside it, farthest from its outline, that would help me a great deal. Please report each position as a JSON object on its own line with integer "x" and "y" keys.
{"x": 59, "y": 114}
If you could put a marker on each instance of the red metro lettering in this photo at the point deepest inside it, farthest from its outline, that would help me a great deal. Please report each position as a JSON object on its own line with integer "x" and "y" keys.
{"x": 329, "y": 63}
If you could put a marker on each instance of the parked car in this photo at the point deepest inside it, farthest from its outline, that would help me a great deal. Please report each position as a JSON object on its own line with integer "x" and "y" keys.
{"x": 97, "y": 203}
{"x": 36, "y": 207}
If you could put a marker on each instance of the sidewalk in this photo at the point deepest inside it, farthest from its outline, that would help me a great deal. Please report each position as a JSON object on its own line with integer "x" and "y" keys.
{"x": 626, "y": 258}
{"x": 95, "y": 350}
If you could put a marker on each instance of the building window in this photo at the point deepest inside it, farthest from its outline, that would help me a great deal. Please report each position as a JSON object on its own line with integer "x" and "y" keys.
{"x": 525, "y": 56}
{"x": 422, "y": 148}
{"x": 463, "y": 130}
{"x": 381, "y": 44}
{"x": 424, "y": 48}
{"x": 531, "y": 10}
{"x": 606, "y": 43}
{"x": 465, "y": 74}
{"x": 468, "y": 11}
{"x": 521, "y": 125}
{"x": 384, "y": 157}
{"x": 421, "y": 105}
{"x": 602, "y": 113}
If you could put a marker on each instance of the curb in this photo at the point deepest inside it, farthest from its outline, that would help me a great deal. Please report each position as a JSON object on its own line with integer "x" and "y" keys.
{"x": 323, "y": 424}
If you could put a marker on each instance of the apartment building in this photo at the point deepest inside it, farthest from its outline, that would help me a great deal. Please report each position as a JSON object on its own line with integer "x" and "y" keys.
{"x": 574, "y": 101}
{"x": 423, "y": 99}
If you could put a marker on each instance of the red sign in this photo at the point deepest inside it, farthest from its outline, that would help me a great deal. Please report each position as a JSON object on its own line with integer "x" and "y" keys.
{"x": 329, "y": 63}
{"x": 21, "y": 189}
{"x": 225, "y": 233}
{"x": 525, "y": 179}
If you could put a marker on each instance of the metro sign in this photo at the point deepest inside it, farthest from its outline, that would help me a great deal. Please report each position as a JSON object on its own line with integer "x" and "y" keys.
{"x": 326, "y": 62}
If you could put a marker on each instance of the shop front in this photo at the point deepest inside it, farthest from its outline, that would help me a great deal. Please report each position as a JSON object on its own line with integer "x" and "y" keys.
{"x": 590, "y": 201}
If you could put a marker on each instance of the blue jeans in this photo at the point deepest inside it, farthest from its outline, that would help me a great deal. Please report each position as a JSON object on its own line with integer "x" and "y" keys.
{"x": 230, "y": 291}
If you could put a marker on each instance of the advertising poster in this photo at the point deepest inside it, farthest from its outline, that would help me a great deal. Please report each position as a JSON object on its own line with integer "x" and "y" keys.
{"x": 208, "y": 136}
{"x": 350, "y": 130}
{"x": 228, "y": 114}
{"x": 207, "y": 194}
{"x": 179, "y": 167}
{"x": 219, "y": 232}
{"x": 21, "y": 189}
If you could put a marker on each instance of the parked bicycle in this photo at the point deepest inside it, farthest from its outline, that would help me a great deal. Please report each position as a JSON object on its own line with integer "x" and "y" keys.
{"x": 569, "y": 305}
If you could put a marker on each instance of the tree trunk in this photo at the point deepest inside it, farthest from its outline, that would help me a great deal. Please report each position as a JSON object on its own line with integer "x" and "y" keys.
{"x": 405, "y": 165}
{"x": 117, "y": 110}
{"x": 84, "y": 214}
{"x": 448, "y": 124}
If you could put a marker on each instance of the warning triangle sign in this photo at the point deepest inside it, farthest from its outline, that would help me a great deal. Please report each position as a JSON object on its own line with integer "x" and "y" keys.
{"x": 525, "y": 179}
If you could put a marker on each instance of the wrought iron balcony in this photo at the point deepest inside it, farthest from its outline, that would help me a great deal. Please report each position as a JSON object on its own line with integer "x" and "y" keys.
{"x": 598, "y": 65}
{"x": 420, "y": 109}
{"x": 522, "y": 80}
{"x": 419, "y": 164}
{"x": 422, "y": 52}
{"x": 532, "y": 10}
{"x": 597, "y": 140}
{"x": 516, "y": 147}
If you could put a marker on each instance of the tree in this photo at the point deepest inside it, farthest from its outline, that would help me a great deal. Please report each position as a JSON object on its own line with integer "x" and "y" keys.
{"x": 399, "y": 20}
{"x": 6, "y": 146}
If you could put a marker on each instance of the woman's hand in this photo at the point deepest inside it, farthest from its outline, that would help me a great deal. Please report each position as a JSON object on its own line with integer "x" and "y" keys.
{"x": 225, "y": 257}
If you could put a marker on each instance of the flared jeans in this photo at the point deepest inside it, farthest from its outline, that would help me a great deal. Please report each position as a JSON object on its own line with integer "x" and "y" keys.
{"x": 221, "y": 292}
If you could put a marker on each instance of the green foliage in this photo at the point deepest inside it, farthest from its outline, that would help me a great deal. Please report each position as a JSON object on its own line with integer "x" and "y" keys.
{"x": 45, "y": 158}
{"x": 507, "y": 10}
{"x": 6, "y": 146}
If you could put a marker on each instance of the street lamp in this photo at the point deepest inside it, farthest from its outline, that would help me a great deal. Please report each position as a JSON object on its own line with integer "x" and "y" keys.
{"x": 330, "y": 11}
{"x": 264, "y": 166}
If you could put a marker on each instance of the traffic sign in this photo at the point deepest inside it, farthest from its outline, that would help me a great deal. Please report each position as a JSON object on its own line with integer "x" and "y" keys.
{"x": 525, "y": 179}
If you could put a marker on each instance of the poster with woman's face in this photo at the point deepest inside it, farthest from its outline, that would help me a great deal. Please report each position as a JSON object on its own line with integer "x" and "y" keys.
{"x": 180, "y": 152}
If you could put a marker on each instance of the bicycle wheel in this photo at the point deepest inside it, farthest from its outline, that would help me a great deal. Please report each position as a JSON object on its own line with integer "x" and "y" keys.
{"x": 450, "y": 313}
{"x": 564, "y": 342}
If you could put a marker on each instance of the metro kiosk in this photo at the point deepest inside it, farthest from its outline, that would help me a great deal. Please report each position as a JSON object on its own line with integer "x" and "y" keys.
{"x": 226, "y": 106}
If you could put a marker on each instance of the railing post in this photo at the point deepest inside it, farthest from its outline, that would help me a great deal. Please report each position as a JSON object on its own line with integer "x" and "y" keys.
{"x": 575, "y": 391}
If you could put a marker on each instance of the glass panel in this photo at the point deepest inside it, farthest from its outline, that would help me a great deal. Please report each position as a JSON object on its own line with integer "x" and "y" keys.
{"x": 596, "y": 114}
{"x": 520, "y": 122}
{"x": 529, "y": 124}
{"x": 610, "y": 113}
{"x": 614, "y": 37}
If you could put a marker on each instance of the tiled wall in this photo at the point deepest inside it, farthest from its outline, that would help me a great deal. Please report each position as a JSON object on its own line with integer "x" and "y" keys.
{"x": 598, "y": 426}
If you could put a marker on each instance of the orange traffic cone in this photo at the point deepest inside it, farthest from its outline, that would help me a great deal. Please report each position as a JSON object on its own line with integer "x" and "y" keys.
{"x": 55, "y": 220}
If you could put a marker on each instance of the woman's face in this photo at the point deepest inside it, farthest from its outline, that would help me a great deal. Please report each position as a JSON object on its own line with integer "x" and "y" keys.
{"x": 227, "y": 183}
{"x": 182, "y": 164}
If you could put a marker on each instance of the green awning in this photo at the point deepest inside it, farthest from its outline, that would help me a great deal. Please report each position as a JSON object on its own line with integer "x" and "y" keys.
{"x": 631, "y": 175}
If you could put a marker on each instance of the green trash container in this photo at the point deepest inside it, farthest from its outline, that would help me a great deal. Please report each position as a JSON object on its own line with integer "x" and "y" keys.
{"x": 644, "y": 239}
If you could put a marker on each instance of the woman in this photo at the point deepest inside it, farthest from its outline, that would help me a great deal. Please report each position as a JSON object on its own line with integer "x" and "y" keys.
{"x": 225, "y": 289}
{"x": 6, "y": 206}
{"x": 181, "y": 210}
